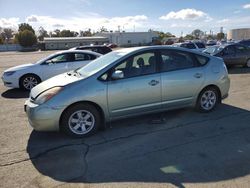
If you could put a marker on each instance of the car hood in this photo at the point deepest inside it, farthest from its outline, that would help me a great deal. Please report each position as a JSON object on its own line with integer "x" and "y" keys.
{"x": 59, "y": 80}
{"x": 20, "y": 67}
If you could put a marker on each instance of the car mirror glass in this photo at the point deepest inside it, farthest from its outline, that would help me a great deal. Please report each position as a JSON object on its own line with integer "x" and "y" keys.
{"x": 118, "y": 74}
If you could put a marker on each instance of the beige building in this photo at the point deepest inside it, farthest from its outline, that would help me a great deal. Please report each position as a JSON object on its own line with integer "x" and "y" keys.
{"x": 64, "y": 43}
{"x": 130, "y": 38}
{"x": 238, "y": 34}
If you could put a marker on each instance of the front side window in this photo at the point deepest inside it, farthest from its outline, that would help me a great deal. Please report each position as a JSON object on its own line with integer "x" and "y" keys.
{"x": 138, "y": 65}
{"x": 62, "y": 58}
{"x": 176, "y": 60}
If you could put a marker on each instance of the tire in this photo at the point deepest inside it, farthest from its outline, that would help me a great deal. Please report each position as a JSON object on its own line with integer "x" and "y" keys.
{"x": 80, "y": 120}
{"x": 207, "y": 100}
{"x": 28, "y": 81}
{"x": 248, "y": 63}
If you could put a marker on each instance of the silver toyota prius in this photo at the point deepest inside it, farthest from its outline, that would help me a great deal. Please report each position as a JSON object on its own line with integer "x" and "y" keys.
{"x": 126, "y": 83}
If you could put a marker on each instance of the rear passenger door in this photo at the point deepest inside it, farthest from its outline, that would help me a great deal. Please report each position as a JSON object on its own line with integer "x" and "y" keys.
{"x": 242, "y": 54}
{"x": 181, "y": 78}
{"x": 229, "y": 55}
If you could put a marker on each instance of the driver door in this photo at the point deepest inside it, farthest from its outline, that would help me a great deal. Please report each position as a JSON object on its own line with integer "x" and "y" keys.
{"x": 140, "y": 88}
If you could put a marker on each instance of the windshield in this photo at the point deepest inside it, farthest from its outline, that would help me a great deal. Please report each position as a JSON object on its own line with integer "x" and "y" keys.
{"x": 100, "y": 63}
{"x": 213, "y": 49}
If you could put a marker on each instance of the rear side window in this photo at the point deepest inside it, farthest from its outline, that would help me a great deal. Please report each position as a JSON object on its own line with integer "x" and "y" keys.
{"x": 200, "y": 45}
{"x": 202, "y": 60}
{"x": 188, "y": 45}
{"x": 176, "y": 60}
{"x": 241, "y": 49}
{"x": 84, "y": 57}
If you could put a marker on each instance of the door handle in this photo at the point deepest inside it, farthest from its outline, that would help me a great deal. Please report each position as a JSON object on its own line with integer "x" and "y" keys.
{"x": 153, "y": 82}
{"x": 198, "y": 75}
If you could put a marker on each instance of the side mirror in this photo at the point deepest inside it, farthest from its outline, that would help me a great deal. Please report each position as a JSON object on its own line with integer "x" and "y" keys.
{"x": 118, "y": 74}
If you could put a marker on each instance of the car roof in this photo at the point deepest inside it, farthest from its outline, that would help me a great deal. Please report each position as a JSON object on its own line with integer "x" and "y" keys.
{"x": 94, "y": 46}
{"x": 79, "y": 51}
{"x": 138, "y": 49}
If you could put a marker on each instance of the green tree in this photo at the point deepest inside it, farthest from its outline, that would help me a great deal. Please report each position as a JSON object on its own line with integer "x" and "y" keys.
{"x": 103, "y": 29}
{"x": 25, "y": 26}
{"x": 210, "y": 37}
{"x": 7, "y": 34}
{"x": 1, "y": 40}
{"x": 26, "y": 38}
{"x": 86, "y": 33}
{"x": 68, "y": 33}
{"x": 42, "y": 33}
{"x": 220, "y": 36}
{"x": 163, "y": 35}
{"x": 197, "y": 33}
{"x": 56, "y": 33}
{"x": 189, "y": 37}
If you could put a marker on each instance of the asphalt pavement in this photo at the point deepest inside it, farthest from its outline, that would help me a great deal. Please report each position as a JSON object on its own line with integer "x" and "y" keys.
{"x": 180, "y": 148}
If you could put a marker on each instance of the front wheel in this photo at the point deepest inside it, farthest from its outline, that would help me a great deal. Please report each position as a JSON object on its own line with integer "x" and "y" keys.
{"x": 80, "y": 120}
{"x": 207, "y": 100}
{"x": 27, "y": 82}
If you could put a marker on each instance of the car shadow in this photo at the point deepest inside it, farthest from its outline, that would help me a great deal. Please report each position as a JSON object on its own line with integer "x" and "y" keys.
{"x": 239, "y": 70}
{"x": 15, "y": 94}
{"x": 176, "y": 147}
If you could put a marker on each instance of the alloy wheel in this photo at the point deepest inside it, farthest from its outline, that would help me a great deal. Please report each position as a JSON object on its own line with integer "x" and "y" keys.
{"x": 81, "y": 122}
{"x": 29, "y": 82}
{"x": 208, "y": 100}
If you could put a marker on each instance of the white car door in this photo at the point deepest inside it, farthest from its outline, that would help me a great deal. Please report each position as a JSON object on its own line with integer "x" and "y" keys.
{"x": 56, "y": 65}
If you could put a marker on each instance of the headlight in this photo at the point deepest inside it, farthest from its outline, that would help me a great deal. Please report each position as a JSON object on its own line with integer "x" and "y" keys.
{"x": 9, "y": 73}
{"x": 47, "y": 95}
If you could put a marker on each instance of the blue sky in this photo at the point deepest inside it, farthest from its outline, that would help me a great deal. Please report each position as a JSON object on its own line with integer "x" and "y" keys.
{"x": 179, "y": 16}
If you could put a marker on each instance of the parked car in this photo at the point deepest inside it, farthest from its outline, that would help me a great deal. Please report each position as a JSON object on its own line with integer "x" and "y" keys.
{"x": 101, "y": 49}
{"x": 198, "y": 46}
{"x": 125, "y": 83}
{"x": 211, "y": 43}
{"x": 29, "y": 75}
{"x": 233, "y": 54}
{"x": 112, "y": 45}
{"x": 245, "y": 42}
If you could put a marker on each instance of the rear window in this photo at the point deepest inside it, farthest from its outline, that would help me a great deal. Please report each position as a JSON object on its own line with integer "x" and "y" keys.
{"x": 202, "y": 60}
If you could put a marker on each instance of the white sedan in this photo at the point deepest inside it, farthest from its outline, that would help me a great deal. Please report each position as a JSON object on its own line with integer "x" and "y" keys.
{"x": 29, "y": 75}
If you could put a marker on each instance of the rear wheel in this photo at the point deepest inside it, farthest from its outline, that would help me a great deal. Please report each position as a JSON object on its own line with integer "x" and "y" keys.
{"x": 80, "y": 120}
{"x": 27, "y": 82}
{"x": 248, "y": 63}
{"x": 207, "y": 100}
